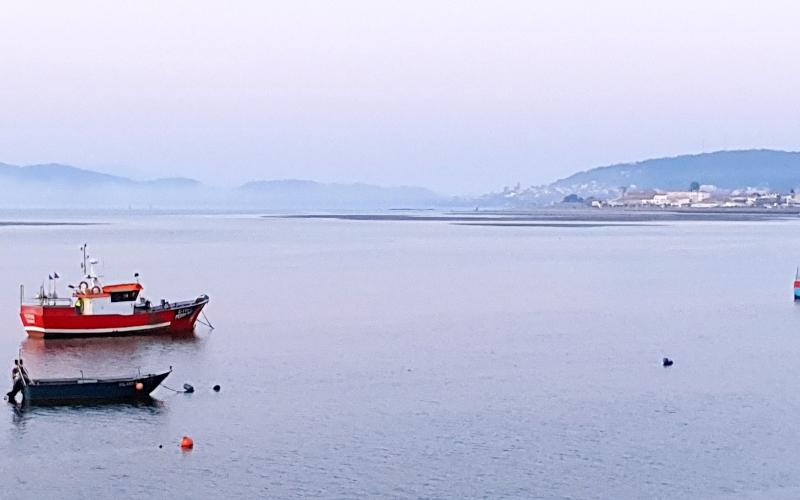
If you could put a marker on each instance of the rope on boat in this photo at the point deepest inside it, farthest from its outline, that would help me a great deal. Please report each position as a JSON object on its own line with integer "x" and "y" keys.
{"x": 165, "y": 386}
{"x": 187, "y": 388}
{"x": 206, "y": 322}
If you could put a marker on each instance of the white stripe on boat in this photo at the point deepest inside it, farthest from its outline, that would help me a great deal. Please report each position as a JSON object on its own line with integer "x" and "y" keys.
{"x": 97, "y": 330}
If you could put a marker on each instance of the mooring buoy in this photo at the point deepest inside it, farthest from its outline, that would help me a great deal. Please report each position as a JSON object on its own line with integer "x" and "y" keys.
{"x": 187, "y": 443}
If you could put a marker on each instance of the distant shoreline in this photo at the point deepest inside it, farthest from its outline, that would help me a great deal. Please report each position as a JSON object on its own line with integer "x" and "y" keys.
{"x": 541, "y": 216}
{"x": 39, "y": 223}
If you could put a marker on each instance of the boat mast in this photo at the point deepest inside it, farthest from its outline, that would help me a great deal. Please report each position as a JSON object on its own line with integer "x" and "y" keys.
{"x": 83, "y": 265}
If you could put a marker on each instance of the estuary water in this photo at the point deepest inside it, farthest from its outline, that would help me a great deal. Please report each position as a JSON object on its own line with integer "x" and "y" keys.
{"x": 407, "y": 359}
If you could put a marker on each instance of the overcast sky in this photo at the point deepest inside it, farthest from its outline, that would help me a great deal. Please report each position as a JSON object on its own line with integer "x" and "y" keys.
{"x": 462, "y": 97}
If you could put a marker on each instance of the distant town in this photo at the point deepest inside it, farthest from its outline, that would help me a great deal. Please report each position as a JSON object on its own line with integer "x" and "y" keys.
{"x": 696, "y": 196}
{"x": 702, "y": 197}
{"x": 699, "y": 196}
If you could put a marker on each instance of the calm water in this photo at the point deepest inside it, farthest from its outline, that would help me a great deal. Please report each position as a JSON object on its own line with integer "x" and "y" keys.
{"x": 424, "y": 359}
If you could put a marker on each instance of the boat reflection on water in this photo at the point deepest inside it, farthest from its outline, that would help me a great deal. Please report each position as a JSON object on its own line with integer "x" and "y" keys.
{"x": 150, "y": 407}
{"x": 105, "y": 356}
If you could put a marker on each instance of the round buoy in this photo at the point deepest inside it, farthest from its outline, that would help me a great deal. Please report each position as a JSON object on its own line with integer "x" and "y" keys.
{"x": 160, "y": 446}
{"x": 217, "y": 388}
{"x": 139, "y": 386}
{"x": 187, "y": 443}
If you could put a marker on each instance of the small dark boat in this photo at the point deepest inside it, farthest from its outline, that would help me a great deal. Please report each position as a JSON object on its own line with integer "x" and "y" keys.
{"x": 83, "y": 390}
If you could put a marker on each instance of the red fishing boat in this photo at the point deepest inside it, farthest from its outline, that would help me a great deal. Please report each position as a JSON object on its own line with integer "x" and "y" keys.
{"x": 95, "y": 309}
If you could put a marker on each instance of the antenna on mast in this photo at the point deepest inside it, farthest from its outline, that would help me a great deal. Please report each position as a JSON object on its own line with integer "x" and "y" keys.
{"x": 85, "y": 258}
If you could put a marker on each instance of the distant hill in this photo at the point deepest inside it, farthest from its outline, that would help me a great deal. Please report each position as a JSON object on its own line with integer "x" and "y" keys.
{"x": 728, "y": 170}
{"x": 54, "y": 172}
{"x": 54, "y": 185}
{"x": 300, "y": 194}
{"x": 778, "y": 170}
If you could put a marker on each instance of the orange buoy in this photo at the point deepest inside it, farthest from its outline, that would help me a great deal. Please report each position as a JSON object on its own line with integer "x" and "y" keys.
{"x": 139, "y": 386}
{"x": 187, "y": 443}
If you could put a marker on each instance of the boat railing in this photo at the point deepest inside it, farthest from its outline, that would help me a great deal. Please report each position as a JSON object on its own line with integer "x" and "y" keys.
{"x": 166, "y": 306}
{"x": 42, "y": 300}
{"x": 46, "y": 301}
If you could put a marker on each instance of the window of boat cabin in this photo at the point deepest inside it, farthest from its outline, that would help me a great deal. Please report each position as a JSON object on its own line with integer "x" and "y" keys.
{"x": 126, "y": 296}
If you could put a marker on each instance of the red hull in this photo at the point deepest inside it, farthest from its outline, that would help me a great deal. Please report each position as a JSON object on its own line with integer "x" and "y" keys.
{"x": 64, "y": 321}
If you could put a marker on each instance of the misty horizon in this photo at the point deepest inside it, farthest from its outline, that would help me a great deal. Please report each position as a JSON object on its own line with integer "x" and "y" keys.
{"x": 60, "y": 186}
{"x": 184, "y": 181}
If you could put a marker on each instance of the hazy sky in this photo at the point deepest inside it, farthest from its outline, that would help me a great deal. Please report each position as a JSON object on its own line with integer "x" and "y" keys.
{"x": 462, "y": 97}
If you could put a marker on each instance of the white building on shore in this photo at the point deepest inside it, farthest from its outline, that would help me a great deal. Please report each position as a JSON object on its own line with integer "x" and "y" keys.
{"x": 677, "y": 198}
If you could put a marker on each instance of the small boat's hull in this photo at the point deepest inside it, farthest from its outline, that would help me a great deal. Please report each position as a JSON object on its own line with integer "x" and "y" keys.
{"x": 65, "y": 322}
{"x": 84, "y": 390}
{"x": 797, "y": 290}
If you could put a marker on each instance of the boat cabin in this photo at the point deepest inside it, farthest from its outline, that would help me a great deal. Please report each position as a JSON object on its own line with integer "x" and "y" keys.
{"x": 110, "y": 299}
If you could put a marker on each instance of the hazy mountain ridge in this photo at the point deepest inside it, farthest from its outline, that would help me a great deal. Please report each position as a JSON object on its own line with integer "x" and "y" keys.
{"x": 67, "y": 174}
{"x": 56, "y": 185}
